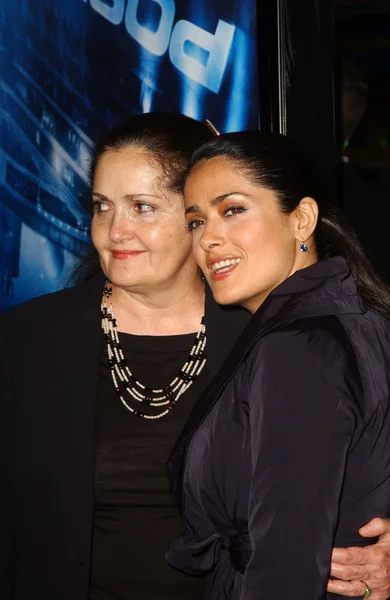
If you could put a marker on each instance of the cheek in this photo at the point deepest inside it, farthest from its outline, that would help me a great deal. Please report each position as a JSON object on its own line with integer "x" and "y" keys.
{"x": 156, "y": 236}
{"x": 249, "y": 235}
{"x": 177, "y": 232}
{"x": 97, "y": 233}
{"x": 167, "y": 238}
{"x": 196, "y": 247}
{"x": 263, "y": 237}
{"x": 198, "y": 253}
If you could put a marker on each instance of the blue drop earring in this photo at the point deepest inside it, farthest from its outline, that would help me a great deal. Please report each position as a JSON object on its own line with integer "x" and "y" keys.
{"x": 303, "y": 247}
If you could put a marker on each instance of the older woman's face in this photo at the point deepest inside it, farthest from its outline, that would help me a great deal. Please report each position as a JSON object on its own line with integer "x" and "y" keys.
{"x": 243, "y": 243}
{"x": 138, "y": 227}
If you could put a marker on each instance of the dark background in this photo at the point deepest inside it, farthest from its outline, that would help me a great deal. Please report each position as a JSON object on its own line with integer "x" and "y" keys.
{"x": 362, "y": 112}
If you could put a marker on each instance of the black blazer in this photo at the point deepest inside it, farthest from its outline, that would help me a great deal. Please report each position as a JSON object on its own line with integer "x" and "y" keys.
{"x": 49, "y": 368}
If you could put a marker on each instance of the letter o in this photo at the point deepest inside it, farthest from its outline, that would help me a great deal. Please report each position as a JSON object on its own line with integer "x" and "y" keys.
{"x": 113, "y": 13}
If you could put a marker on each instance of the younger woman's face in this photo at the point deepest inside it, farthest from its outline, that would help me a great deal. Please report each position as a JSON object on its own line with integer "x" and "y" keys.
{"x": 242, "y": 242}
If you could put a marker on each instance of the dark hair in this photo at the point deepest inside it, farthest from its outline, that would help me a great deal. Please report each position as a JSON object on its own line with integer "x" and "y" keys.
{"x": 278, "y": 163}
{"x": 168, "y": 139}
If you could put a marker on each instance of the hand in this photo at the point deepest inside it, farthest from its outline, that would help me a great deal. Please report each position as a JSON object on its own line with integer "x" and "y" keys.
{"x": 371, "y": 564}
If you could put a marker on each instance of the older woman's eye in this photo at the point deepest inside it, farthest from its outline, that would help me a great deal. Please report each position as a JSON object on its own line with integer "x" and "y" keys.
{"x": 232, "y": 211}
{"x": 142, "y": 207}
{"x": 99, "y": 206}
{"x": 195, "y": 224}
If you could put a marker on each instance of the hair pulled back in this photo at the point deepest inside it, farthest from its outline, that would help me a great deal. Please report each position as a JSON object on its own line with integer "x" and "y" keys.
{"x": 167, "y": 138}
{"x": 279, "y": 164}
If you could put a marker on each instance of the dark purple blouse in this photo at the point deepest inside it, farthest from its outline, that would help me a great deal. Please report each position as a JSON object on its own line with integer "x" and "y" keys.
{"x": 291, "y": 453}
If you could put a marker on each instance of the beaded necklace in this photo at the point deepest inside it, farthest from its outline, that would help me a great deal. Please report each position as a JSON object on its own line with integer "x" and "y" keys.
{"x": 121, "y": 374}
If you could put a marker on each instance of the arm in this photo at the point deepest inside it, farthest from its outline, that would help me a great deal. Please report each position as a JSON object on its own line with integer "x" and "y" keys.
{"x": 5, "y": 549}
{"x": 5, "y": 513}
{"x": 370, "y": 564}
{"x": 300, "y": 434}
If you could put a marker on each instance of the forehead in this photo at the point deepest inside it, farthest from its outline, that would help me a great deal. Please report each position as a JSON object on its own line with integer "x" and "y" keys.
{"x": 132, "y": 172}
{"x": 129, "y": 162}
{"x": 214, "y": 180}
{"x": 217, "y": 169}
{"x": 213, "y": 177}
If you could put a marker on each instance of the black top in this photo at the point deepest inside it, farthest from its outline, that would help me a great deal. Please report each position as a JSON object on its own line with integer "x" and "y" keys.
{"x": 291, "y": 454}
{"x": 135, "y": 516}
{"x": 50, "y": 355}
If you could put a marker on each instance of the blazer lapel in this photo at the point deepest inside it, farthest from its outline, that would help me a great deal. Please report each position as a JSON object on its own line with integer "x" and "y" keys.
{"x": 224, "y": 325}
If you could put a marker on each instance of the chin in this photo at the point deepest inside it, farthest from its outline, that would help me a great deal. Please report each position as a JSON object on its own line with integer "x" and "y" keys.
{"x": 120, "y": 280}
{"x": 225, "y": 299}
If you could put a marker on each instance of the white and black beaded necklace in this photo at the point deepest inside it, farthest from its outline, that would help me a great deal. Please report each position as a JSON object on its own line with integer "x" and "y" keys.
{"x": 121, "y": 375}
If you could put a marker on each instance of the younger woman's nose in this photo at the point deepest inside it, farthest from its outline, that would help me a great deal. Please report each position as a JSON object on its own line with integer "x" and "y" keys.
{"x": 211, "y": 237}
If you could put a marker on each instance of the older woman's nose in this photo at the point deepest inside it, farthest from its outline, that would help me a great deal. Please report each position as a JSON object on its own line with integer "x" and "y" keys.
{"x": 121, "y": 228}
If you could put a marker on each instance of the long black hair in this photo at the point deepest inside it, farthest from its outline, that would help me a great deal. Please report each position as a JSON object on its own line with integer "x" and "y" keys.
{"x": 276, "y": 162}
{"x": 166, "y": 138}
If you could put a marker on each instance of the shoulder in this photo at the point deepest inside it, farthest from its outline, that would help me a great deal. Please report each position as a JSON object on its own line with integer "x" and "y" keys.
{"x": 308, "y": 364}
{"x": 318, "y": 343}
{"x": 47, "y": 302}
{"x": 45, "y": 311}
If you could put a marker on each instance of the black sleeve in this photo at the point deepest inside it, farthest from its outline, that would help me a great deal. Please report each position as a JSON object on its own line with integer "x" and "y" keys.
{"x": 5, "y": 468}
{"x": 301, "y": 423}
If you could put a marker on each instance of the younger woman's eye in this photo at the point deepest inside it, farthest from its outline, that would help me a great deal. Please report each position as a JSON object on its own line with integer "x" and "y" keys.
{"x": 195, "y": 224}
{"x": 142, "y": 207}
{"x": 99, "y": 206}
{"x": 233, "y": 210}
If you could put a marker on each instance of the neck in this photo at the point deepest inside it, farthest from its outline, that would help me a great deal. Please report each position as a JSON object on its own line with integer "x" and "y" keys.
{"x": 173, "y": 311}
{"x": 254, "y": 305}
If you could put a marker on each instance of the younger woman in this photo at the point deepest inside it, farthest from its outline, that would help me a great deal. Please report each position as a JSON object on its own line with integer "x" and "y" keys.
{"x": 291, "y": 452}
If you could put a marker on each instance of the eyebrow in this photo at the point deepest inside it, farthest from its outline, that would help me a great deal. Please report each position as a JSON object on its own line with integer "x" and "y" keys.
{"x": 214, "y": 202}
{"x": 137, "y": 196}
{"x": 101, "y": 196}
{"x": 126, "y": 196}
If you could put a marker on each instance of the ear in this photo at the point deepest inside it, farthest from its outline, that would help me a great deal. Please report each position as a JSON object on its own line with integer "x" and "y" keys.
{"x": 305, "y": 219}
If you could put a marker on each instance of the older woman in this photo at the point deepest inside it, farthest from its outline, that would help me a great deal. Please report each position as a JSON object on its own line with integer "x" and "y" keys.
{"x": 98, "y": 381}
{"x": 291, "y": 452}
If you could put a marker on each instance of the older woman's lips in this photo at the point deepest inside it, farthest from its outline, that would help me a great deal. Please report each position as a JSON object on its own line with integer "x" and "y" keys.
{"x": 123, "y": 254}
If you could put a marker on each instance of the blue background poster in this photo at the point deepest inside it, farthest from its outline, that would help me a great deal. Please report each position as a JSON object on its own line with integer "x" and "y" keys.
{"x": 72, "y": 69}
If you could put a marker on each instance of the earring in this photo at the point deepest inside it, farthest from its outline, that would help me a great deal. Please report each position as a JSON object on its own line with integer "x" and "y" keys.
{"x": 303, "y": 247}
